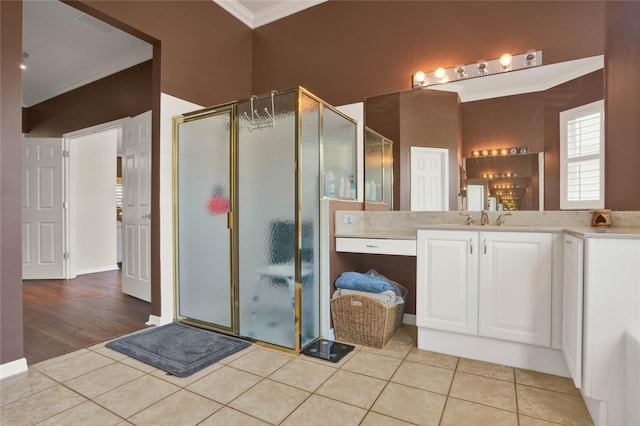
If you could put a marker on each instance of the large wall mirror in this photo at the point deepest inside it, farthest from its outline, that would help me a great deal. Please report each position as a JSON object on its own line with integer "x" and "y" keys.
{"x": 501, "y": 132}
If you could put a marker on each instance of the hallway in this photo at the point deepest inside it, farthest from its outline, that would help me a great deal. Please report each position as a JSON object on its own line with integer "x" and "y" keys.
{"x": 62, "y": 316}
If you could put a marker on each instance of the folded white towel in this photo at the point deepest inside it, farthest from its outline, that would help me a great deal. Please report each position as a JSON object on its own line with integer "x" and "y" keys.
{"x": 388, "y": 297}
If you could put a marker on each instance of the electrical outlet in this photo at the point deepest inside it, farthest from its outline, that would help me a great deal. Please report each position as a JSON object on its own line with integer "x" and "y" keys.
{"x": 347, "y": 218}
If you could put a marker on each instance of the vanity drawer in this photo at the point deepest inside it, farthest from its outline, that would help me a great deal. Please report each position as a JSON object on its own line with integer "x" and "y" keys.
{"x": 376, "y": 246}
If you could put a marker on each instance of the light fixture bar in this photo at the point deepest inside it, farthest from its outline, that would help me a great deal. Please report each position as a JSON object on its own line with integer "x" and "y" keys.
{"x": 505, "y": 63}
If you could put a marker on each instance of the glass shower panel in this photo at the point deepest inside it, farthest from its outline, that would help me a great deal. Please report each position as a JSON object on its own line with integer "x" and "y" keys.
{"x": 204, "y": 259}
{"x": 387, "y": 173}
{"x": 310, "y": 218}
{"x": 373, "y": 159}
{"x": 266, "y": 219}
{"x": 339, "y": 164}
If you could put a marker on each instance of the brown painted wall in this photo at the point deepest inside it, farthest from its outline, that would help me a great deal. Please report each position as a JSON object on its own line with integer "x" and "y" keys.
{"x": 345, "y": 51}
{"x": 124, "y": 94}
{"x": 622, "y": 106}
{"x": 206, "y": 53}
{"x": 10, "y": 184}
{"x": 504, "y": 122}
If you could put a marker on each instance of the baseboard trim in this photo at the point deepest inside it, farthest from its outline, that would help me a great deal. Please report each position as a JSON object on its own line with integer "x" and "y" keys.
{"x": 12, "y": 368}
{"x": 96, "y": 270}
{"x": 530, "y": 357}
{"x": 153, "y": 320}
{"x": 409, "y": 319}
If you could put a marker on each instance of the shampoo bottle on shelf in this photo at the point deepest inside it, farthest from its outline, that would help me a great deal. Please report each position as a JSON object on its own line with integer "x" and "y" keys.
{"x": 330, "y": 185}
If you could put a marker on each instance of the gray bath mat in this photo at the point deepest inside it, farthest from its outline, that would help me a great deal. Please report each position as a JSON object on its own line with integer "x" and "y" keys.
{"x": 178, "y": 349}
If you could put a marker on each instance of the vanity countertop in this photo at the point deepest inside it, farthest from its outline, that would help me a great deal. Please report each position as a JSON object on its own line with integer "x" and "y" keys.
{"x": 578, "y": 231}
{"x": 496, "y": 228}
{"x": 601, "y": 232}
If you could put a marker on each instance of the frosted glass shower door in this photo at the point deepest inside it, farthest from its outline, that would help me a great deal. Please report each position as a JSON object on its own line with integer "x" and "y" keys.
{"x": 266, "y": 220}
{"x": 203, "y": 234}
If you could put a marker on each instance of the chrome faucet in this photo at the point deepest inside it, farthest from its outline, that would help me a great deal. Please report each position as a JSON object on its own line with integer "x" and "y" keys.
{"x": 484, "y": 218}
{"x": 469, "y": 220}
{"x": 469, "y": 217}
{"x": 500, "y": 219}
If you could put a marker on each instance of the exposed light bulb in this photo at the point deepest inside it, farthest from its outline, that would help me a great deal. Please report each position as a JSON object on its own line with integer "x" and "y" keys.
{"x": 440, "y": 73}
{"x": 505, "y": 61}
{"x": 23, "y": 66}
{"x": 419, "y": 77}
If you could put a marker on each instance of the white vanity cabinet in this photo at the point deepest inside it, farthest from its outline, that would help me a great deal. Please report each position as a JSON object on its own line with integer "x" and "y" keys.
{"x": 515, "y": 287}
{"x": 572, "y": 306}
{"x": 611, "y": 350}
{"x": 447, "y": 281}
{"x": 490, "y": 284}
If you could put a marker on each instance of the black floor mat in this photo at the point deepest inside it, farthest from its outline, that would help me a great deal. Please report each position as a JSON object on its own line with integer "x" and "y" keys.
{"x": 328, "y": 350}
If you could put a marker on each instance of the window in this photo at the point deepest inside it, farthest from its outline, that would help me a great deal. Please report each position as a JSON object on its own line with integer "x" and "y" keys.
{"x": 582, "y": 157}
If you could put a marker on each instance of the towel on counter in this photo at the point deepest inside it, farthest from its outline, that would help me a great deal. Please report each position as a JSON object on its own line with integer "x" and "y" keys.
{"x": 387, "y": 297}
{"x": 363, "y": 282}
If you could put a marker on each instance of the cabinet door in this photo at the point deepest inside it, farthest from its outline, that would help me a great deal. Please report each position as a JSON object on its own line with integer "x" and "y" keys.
{"x": 572, "y": 306}
{"x": 446, "y": 278}
{"x": 515, "y": 287}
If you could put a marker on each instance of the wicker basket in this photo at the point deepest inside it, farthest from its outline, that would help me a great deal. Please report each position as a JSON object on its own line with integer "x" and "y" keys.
{"x": 364, "y": 320}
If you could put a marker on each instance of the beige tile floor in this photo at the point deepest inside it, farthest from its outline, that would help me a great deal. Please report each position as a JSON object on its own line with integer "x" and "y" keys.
{"x": 397, "y": 385}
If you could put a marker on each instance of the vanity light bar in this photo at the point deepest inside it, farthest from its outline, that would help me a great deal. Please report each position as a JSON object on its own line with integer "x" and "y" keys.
{"x": 499, "y": 175}
{"x": 501, "y": 151}
{"x": 507, "y": 62}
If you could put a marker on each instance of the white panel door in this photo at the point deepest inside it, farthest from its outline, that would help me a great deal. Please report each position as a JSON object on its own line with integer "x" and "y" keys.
{"x": 572, "y": 301}
{"x": 136, "y": 211}
{"x": 475, "y": 198}
{"x": 515, "y": 287}
{"x": 42, "y": 209}
{"x": 429, "y": 179}
{"x": 447, "y": 281}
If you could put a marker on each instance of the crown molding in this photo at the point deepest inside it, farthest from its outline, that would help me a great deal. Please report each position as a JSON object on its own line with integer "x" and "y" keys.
{"x": 279, "y": 10}
{"x": 237, "y": 10}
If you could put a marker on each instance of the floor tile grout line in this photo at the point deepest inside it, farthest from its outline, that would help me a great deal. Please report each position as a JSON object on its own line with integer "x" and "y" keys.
{"x": 86, "y": 399}
{"x": 310, "y": 393}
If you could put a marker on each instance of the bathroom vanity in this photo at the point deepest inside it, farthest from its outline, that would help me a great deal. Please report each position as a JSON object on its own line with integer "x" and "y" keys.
{"x": 557, "y": 298}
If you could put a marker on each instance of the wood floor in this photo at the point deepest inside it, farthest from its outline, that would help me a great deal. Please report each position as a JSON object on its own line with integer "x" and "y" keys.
{"x": 62, "y": 316}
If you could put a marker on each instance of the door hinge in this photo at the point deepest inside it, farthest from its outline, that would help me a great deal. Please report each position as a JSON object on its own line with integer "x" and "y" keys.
{"x": 66, "y": 255}
{"x": 65, "y": 153}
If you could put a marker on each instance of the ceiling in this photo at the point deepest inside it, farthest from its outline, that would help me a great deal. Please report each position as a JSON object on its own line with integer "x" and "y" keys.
{"x": 67, "y": 48}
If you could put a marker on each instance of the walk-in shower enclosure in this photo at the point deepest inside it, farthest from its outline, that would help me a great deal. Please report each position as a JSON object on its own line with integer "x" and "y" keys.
{"x": 248, "y": 180}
